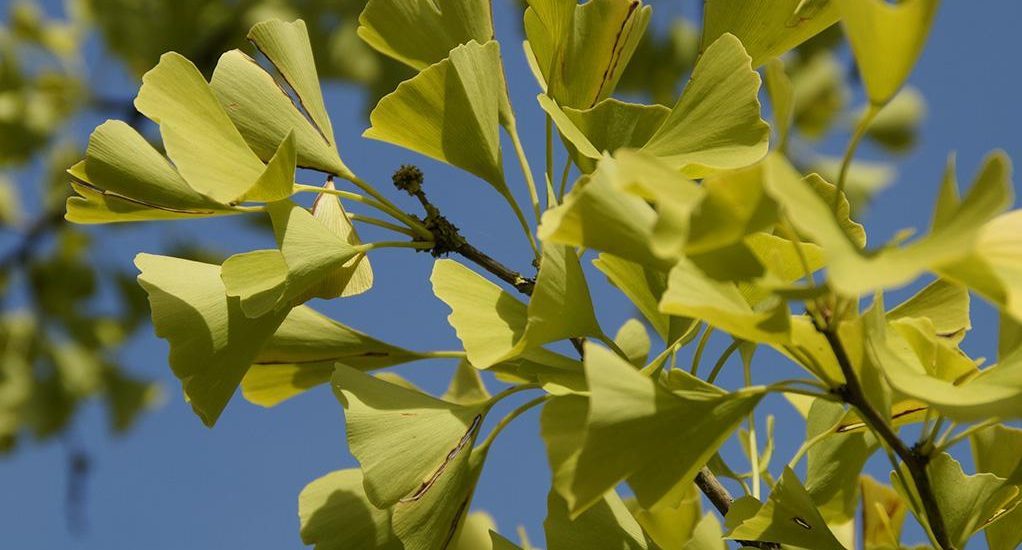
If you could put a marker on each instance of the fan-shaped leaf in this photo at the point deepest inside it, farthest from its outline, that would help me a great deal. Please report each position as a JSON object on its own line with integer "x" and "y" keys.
{"x": 886, "y": 39}
{"x": 766, "y": 29}
{"x": 419, "y": 33}
{"x": 212, "y": 343}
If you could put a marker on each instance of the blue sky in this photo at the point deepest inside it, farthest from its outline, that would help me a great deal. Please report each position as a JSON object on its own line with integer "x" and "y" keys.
{"x": 172, "y": 483}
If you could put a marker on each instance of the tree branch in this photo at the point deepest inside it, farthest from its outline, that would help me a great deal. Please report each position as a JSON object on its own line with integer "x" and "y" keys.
{"x": 916, "y": 462}
{"x": 448, "y": 239}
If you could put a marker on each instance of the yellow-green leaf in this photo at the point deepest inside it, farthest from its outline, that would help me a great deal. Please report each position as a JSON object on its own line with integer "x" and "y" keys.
{"x": 788, "y": 517}
{"x": 450, "y": 112}
{"x": 886, "y": 39}
{"x": 995, "y": 450}
{"x": 633, "y": 422}
{"x": 335, "y": 514}
{"x": 200, "y": 138}
{"x": 716, "y": 123}
{"x": 581, "y": 50}
{"x": 420, "y": 34}
{"x": 188, "y": 299}
{"x": 264, "y": 114}
{"x": 766, "y": 29}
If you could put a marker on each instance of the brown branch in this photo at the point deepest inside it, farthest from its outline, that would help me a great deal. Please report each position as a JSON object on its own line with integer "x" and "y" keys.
{"x": 448, "y": 239}
{"x": 853, "y": 394}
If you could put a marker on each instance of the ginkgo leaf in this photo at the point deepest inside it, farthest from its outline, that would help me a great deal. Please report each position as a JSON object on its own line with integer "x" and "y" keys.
{"x": 562, "y": 424}
{"x": 498, "y": 542}
{"x": 581, "y": 50}
{"x": 287, "y": 46}
{"x": 420, "y": 34}
{"x": 356, "y": 276}
{"x": 450, "y": 112}
{"x": 405, "y": 440}
{"x": 966, "y": 503}
{"x": 833, "y": 465}
{"x": 92, "y": 205}
{"x": 466, "y": 387}
{"x": 264, "y": 113}
{"x": 676, "y": 197}
{"x": 995, "y": 392}
{"x": 883, "y": 514}
{"x": 633, "y": 339}
{"x": 488, "y": 320}
{"x": 644, "y": 287}
{"x": 605, "y": 524}
{"x": 495, "y": 327}
{"x": 788, "y": 517}
{"x": 120, "y": 161}
{"x": 599, "y": 215}
{"x": 431, "y": 520}
{"x": 995, "y": 450}
{"x": 766, "y": 29}
{"x": 309, "y": 252}
{"x": 886, "y": 39}
{"x": 810, "y": 349}
{"x": 302, "y": 353}
{"x": 720, "y": 304}
{"x": 269, "y": 385}
{"x": 853, "y": 272}
{"x": 734, "y": 206}
{"x": 307, "y": 336}
{"x": 633, "y": 422}
{"x": 475, "y": 533}
{"x": 716, "y": 123}
{"x": 782, "y": 99}
{"x": 670, "y": 527}
{"x": 336, "y": 515}
{"x": 994, "y": 269}
{"x": 188, "y": 297}
{"x": 943, "y": 303}
{"x": 708, "y": 535}
{"x": 200, "y": 138}
{"x": 604, "y": 128}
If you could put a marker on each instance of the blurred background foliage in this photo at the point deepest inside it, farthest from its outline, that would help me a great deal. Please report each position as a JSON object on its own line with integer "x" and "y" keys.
{"x": 58, "y": 349}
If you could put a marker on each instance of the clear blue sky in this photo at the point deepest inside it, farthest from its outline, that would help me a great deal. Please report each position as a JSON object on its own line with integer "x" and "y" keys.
{"x": 174, "y": 484}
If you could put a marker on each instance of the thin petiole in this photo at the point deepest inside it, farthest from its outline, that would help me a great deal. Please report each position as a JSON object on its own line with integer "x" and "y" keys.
{"x": 381, "y": 223}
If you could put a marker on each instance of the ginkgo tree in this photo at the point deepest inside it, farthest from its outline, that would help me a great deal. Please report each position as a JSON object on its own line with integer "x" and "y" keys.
{"x": 696, "y": 211}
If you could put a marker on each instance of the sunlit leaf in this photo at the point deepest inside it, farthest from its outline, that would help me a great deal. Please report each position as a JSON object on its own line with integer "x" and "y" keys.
{"x": 788, "y": 517}
{"x": 598, "y": 215}
{"x": 604, "y": 128}
{"x": 633, "y": 421}
{"x": 287, "y": 46}
{"x": 404, "y": 439}
{"x": 605, "y": 524}
{"x": 690, "y": 293}
{"x": 450, "y": 112}
{"x": 886, "y": 39}
{"x": 716, "y": 123}
{"x": 309, "y": 252}
{"x": 356, "y": 276}
{"x": 966, "y": 503}
{"x": 200, "y": 138}
{"x": 336, "y": 515}
{"x": 189, "y": 299}
{"x": 854, "y": 272}
{"x": 883, "y": 514}
{"x": 766, "y": 29}
{"x": 644, "y": 287}
{"x": 782, "y": 98}
{"x": 420, "y": 34}
{"x": 833, "y": 465}
{"x": 466, "y": 387}
{"x": 994, "y": 269}
{"x": 996, "y": 450}
{"x": 264, "y": 113}
{"x": 670, "y": 527}
{"x": 896, "y": 125}
{"x": 581, "y": 50}
{"x": 494, "y": 327}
